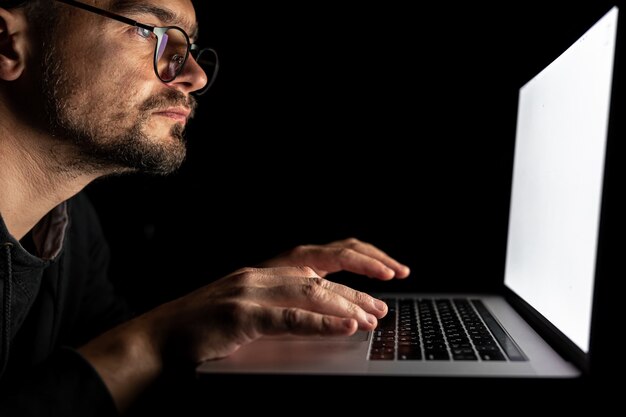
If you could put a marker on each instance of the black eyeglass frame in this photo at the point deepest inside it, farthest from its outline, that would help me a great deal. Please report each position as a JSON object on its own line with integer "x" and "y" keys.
{"x": 158, "y": 31}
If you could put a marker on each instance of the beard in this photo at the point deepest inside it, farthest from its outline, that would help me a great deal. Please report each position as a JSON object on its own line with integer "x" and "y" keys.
{"x": 105, "y": 140}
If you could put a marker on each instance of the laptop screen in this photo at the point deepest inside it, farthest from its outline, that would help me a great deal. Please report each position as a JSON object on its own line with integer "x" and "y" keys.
{"x": 562, "y": 126}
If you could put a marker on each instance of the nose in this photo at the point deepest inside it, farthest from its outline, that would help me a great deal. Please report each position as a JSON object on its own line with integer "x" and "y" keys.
{"x": 191, "y": 78}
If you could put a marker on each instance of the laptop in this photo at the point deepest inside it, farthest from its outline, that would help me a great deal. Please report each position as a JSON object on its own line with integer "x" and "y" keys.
{"x": 541, "y": 323}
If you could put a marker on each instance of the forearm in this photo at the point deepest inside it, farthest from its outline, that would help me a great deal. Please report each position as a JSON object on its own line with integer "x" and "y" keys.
{"x": 127, "y": 358}
{"x": 63, "y": 385}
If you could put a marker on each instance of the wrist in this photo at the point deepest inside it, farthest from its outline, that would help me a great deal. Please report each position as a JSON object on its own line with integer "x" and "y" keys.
{"x": 127, "y": 358}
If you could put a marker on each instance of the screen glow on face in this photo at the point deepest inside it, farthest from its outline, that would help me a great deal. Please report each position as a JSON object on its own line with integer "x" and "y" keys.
{"x": 558, "y": 173}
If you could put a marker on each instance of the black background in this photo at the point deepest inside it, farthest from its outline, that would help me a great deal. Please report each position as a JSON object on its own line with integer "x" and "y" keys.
{"x": 392, "y": 122}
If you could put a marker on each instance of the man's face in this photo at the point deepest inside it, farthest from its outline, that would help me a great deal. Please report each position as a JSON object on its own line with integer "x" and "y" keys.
{"x": 101, "y": 92}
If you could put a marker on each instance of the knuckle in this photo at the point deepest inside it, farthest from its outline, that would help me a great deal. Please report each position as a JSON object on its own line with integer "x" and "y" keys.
{"x": 299, "y": 250}
{"x": 243, "y": 275}
{"x": 292, "y": 317}
{"x": 307, "y": 270}
{"x": 360, "y": 297}
{"x": 245, "y": 270}
{"x": 353, "y": 309}
{"x": 352, "y": 241}
{"x": 344, "y": 252}
{"x": 313, "y": 292}
{"x": 321, "y": 282}
{"x": 327, "y": 324}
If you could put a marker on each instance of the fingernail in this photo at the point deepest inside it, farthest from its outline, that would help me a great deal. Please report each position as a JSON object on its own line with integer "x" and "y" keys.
{"x": 380, "y": 305}
{"x": 371, "y": 319}
{"x": 348, "y": 323}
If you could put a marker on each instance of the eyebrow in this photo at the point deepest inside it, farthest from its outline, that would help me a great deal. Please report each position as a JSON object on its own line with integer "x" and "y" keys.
{"x": 166, "y": 16}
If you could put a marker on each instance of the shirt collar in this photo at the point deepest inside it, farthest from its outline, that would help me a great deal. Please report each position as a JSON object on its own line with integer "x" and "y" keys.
{"x": 49, "y": 233}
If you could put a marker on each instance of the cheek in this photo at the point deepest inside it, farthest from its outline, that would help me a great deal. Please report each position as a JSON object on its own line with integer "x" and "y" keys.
{"x": 112, "y": 84}
{"x": 130, "y": 83}
{"x": 126, "y": 65}
{"x": 107, "y": 80}
{"x": 115, "y": 85}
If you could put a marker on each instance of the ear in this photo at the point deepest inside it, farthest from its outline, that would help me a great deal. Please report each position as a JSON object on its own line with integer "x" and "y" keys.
{"x": 12, "y": 43}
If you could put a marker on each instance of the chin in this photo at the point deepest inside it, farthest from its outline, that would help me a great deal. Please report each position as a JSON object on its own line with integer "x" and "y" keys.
{"x": 172, "y": 132}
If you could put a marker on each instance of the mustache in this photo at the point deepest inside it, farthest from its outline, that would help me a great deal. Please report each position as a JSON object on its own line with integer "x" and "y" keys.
{"x": 170, "y": 98}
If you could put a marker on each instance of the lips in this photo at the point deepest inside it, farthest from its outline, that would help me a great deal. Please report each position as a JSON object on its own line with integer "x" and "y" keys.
{"x": 178, "y": 114}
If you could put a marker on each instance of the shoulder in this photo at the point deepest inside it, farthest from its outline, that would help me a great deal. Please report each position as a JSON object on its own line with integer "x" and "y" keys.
{"x": 83, "y": 218}
{"x": 80, "y": 206}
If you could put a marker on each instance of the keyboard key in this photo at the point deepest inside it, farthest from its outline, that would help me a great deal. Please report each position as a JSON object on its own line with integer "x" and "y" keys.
{"x": 488, "y": 355}
{"x": 437, "y": 355}
{"x": 381, "y": 357}
{"x": 409, "y": 353}
{"x": 465, "y": 357}
{"x": 414, "y": 356}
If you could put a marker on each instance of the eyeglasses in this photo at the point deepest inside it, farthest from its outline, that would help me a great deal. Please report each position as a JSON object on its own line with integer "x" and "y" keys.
{"x": 171, "y": 50}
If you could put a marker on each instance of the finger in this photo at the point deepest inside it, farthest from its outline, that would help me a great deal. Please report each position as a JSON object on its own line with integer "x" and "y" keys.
{"x": 280, "y": 320}
{"x": 368, "y": 303}
{"x": 337, "y": 258}
{"x": 401, "y": 271}
{"x": 313, "y": 297}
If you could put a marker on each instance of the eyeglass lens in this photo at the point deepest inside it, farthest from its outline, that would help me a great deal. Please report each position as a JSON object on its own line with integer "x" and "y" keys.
{"x": 170, "y": 57}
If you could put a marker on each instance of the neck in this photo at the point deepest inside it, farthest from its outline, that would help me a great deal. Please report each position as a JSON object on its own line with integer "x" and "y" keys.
{"x": 36, "y": 175}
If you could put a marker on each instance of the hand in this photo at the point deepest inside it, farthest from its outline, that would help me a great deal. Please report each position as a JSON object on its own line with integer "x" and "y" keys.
{"x": 217, "y": 319}
{"x": 349, "y": 255}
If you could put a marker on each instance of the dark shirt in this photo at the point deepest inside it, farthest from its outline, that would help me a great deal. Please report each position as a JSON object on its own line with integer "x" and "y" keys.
{"x": 54, "y": 297}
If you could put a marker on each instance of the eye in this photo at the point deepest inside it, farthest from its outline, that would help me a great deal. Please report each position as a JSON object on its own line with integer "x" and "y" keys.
{"x": 178, "y": 59}
{"x": 144, "y": 33}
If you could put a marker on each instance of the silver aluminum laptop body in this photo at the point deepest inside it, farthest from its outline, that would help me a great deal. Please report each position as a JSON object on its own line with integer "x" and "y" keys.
{"x": 325, "y": 356}
{"x": 554, "y": 230}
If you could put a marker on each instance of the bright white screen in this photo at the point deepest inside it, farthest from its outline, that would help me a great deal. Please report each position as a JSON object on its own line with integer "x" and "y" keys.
{"x": 557, "y": 182}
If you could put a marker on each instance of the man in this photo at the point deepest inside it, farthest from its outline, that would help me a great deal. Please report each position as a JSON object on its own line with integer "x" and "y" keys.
{"x": 86, "y": 91}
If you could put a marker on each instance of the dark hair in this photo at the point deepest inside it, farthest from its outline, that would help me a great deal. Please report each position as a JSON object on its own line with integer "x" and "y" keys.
{"x": 40, "y": 12}
{"x": 8, "y": 4}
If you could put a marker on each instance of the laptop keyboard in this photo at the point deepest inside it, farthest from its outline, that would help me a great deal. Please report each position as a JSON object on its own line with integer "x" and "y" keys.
{"x": 441, "y": 329}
